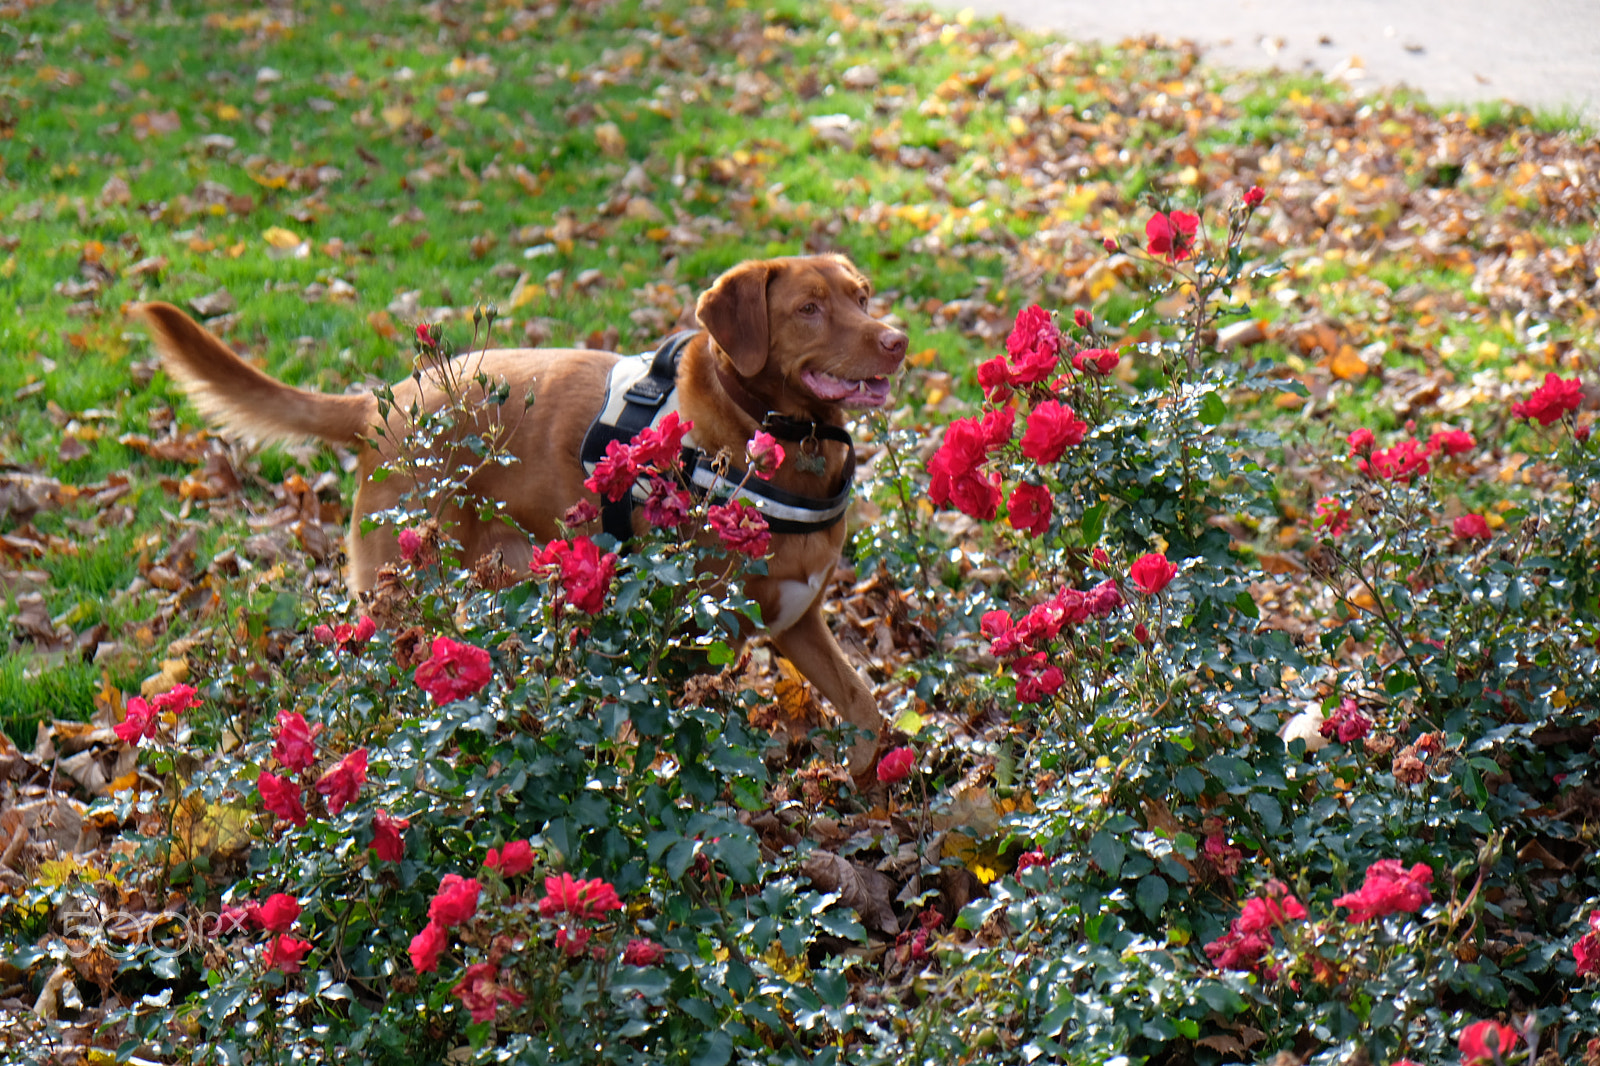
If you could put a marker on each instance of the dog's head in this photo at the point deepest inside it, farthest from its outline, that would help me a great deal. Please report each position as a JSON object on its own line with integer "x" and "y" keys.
{"x": 798, "y": 332}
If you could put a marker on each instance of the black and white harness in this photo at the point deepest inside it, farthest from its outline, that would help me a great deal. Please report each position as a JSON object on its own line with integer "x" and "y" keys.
{"x": 642, "y": 390}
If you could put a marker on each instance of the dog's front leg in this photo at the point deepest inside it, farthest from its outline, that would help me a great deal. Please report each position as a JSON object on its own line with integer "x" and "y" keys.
{"x": 810, "y": 646}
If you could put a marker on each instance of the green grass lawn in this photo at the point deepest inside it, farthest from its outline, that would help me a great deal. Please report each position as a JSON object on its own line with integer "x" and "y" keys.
{"x": 329, "y": 174}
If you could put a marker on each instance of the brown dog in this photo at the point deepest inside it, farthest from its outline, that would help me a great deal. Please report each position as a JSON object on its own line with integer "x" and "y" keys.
{"x": 786, "y": 337}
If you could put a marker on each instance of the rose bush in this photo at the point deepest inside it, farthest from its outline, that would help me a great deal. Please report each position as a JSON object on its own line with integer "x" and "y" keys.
{"x": 532, "y": 821}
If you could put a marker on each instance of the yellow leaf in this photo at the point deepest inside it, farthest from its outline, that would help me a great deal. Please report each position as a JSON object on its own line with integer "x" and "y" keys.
{"x": 1347, "y": 364}
{"x": 202, "y": 828}
{"x": 228, "y": 113}
{"x": 236, "y": 250}
{"x": 982, "y": 859}
{"x": 173, "y": 672}
{"x": 279, "y": 237}
{"x": 909, "y": 723}
{"x": 395, "y": 116}
{"x": 526, "y": 294}
{"x": 268, "y": 181}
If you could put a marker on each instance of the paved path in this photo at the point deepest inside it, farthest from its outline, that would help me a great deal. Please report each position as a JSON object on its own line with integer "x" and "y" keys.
{"x": 1542, "y": 53}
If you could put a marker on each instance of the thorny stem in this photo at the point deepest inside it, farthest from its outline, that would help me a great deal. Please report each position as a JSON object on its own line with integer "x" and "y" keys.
{"x": 913, "y": 522}
{"x": 1388, "y": 622}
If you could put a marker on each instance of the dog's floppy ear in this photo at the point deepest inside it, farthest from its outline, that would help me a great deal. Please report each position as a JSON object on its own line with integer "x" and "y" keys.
{"x": 734, "y": 312}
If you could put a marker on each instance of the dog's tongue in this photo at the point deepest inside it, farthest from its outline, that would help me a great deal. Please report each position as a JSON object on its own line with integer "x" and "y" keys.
{"x": 872, "y": 392}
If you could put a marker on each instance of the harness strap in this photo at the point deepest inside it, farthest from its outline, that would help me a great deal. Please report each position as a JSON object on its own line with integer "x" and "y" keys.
{"x": 785, "y": 512}
{"x": 643, "y": 402}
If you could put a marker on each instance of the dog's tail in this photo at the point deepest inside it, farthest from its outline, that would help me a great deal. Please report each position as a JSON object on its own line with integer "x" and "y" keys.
{"x": 236, "y": 396}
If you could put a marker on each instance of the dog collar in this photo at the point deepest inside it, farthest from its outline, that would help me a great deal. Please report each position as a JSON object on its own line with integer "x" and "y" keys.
{"x": 642, "y": 390}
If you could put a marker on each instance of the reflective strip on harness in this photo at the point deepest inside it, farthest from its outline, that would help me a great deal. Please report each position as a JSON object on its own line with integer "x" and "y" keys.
{"x": 784, "y": 512}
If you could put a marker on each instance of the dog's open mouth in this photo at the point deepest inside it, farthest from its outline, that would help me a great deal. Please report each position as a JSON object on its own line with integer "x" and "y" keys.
{"x": 848, "y": 392}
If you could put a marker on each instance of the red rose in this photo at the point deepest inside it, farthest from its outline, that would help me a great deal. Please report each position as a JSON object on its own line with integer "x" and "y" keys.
{"x": 386, "y": 838}
{"x": 424, "y": 336}
{"x": 177, "y": 699}
{"x": 513, "y": 859}
{"x": 1238, "y": 951}
{"x": 585, "y": 573}
{"x": 1451, "y": 441}
{"x": 1331, "y": 517}
{"x": 1347, "y": 723}
{"x": 427, "y": 946}
{"x": 1405, "y": 462}
{"x": 455, "y": 671}
{"x": 573, "y": 941}
{"x": 1102, "y": 599}
{"x": 410, "y": 542}
{"x": 1029, "y": 859}
{"x": 998, "y": 427}
{"x": 583, "y": 899}
{"x": 1277, "y": 908}
{"x": 1224, "y": 856}
{"x": 233, "y": 919}
{"x": 1082, "y": 318}
{"x": 296, "y": 748}
{"x": 282, "y": 798}
{"x": 286, "y": 953}
{"x": 661, "y": 445}
{"x": 1551, "y": 400}
{"x": 455, "y": 902}
{"x": 998, "y": 627}
{"x": 994, "y": 377}
{"x": 343, "y": 782}
{"x": 955, "y": 477}
{"x": 1254, "y": 196}
{"x": 1096, "y": 361}
{"x": 666, "y": 507}
{"x": 740, "y": 527}
{"x": 1152, "y": 573}
{"x": 615, "y": 473}
{"x": 976, "y": 495}
{"x": 1171, "y": 235}
{"x": 1037, "y": 680}
{"x": 764, "y": 453}
{"x": 1359, "y": 440}
{"x": 643, "y": 953}
{"x": 1051, "y": 428}
{"x": 1586, "y": 952}
{"x": 278, "y": 913}
{"x": 139, "y": 722}
{"x": 580, "y": 514}
{"x": 1030, "y": 508}
{"x": 1472, "y": 527}
{"x": 1486, "y": 1043}
{"x": 896, "y": 766}
{"x": 1033, "y": 340}
{"x": 481, "y": 992}
{"x": 1389, "y": 888}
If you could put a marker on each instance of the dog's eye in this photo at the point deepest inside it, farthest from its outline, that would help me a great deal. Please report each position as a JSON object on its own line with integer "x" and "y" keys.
{"x": 811, "y": 309}
{"x": 864, "y": 302}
